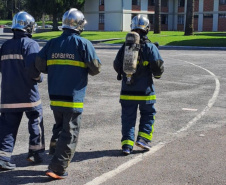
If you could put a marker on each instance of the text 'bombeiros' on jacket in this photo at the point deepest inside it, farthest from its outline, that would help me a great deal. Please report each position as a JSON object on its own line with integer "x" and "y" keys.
{"x": 149, "y": 64}
{"x": 19, "y": 91}
{"x": 68, "y": 59}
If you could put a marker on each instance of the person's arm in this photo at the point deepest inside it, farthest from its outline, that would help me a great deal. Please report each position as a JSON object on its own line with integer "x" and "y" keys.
{"x": 41, "y": 59}
{"x": 118, "y": 62}
{"x": 29, "y": 58}
{"x": 91, "y": 59}
{"x": 156, "y": 62}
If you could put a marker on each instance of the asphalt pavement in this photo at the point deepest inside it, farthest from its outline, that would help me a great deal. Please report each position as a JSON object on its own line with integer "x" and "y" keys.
{"x": 189, "y": 142}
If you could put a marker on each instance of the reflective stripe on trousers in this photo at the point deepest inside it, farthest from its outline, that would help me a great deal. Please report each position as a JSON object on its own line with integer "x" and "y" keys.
{"x": 128, "y": 118}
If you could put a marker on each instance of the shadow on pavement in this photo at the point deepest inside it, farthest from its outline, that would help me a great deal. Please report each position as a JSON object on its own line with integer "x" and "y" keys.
{"x": 82, "y": 156}
{"x": 23, "y": 177}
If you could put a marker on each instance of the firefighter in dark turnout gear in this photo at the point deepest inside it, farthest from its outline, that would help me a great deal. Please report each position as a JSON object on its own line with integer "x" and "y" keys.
{"x": 140, "y": 93}
{"x": 19, "y": 92}
{"x": 67, "y": 60}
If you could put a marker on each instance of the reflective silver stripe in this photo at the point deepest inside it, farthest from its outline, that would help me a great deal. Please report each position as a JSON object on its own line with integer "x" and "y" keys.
{"x": 5, "y": 154}
{"x": 12, "y": 56}
{"x": 36, "y": 147}
{"x": 20, "y": 105}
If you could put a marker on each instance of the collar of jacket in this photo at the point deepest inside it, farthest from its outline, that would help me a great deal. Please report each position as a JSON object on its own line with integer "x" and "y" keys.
{"x": 19, "y": 34}
{"x": 70, "y": 32}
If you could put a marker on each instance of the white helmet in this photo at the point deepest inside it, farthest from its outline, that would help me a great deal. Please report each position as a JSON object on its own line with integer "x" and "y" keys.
{"x": 140, "y": 22}
{"x": 73, "y": 19}
{"x": 23, "y": 21}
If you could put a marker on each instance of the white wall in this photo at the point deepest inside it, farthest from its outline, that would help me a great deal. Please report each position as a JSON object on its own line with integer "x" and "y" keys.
{"x": 91, "y": 13}
{"x": 113, "y": 22}
{"x": 215, "y": 15}
{"x": 92, "y": 21}
{"x": 127, "y": 4}
{"x": 91, "y": 5}
{"x": 126, "y": 22}
{"x": 200, "y": 19}
{"x": 113, "y": 15}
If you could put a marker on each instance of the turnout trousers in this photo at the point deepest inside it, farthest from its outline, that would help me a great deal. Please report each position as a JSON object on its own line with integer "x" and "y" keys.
{"x": 64, "y": 139}
{"x": 128, "y": 119}
{"x": 9, "y": 125}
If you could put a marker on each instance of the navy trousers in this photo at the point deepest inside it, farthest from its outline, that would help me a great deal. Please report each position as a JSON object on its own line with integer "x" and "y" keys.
{"x": 128, "y": 118}
{"x": 64, "y": 139}
{"x": 9, "y": 125}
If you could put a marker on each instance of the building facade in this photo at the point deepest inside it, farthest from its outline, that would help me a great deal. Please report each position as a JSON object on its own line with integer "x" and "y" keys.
{"x": 116, "y": 15}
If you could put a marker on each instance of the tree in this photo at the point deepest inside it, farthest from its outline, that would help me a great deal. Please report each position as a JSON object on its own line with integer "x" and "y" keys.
{"x": 189, "y": 25}
{"x": 54, "y": 8}
{"x": 157, "y": 23}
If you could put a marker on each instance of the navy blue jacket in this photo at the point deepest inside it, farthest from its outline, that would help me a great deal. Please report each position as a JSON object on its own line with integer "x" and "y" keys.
{"x": 142, "y": 88}
{"x": 19, "y": 92}
{"x": 67, "y": 60}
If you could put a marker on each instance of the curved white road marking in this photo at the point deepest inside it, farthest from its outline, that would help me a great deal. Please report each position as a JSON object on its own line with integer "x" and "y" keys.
{"x": 210, "y": 103}
{"x": 104, "y": 177}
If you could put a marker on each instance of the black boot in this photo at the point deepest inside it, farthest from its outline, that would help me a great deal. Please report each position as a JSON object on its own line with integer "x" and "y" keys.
{"x": 34, "y": 157}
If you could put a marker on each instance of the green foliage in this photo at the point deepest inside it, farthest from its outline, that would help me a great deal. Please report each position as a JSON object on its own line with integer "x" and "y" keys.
{"x": 37, "y": 7}
{"x": 5, "y": 22}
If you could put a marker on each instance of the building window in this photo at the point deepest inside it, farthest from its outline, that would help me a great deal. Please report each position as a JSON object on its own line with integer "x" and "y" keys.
{"x": 221, "y": 2}
{"x": 101, "y": 2}
{"x": 136, "y": 2}
{"x": 222, "y": 15}
{"x": 164, "y": 19}
{"x": 207, "y": 15}
{"x": 164, "y": 3}
{"x": 151, "y": 2}
{"x": 101, "y": 18}
{"x": 151, "y": 18}
{"x": 196, "y": 16}
{"x": 181, "y": 3}
{"x": 180, "y": 19}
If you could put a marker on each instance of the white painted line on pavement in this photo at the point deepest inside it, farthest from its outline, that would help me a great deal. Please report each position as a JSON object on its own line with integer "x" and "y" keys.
{"x": 189, "y": 109}
{"x": 104, "y": 177}
{"x": 210, "y": 103}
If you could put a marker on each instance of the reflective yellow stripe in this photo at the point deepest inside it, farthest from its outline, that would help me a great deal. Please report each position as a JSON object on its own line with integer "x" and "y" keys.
{"x": 66, "y": 62}
{"x": 66, "y": 104}
{"x": 145, "y": 63}
{"x": 128, "y": 97}
{"x": 146, "y": 136}
{"x": 20, "y": 105}
{"x": 127, "y": 142}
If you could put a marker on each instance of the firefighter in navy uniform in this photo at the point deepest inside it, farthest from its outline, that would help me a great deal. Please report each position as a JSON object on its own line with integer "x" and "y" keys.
{"x": 67, "y": 59}
{"x": 19, "y": 92}
{"x": 140, "y": 92}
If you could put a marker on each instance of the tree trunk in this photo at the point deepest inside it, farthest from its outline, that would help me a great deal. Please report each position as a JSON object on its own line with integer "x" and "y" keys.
{"x": 43, "y": 20}
{"x": 189, "y": 25}
{"x": 55, "y": 22}
{"x": 157, "y": 23}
